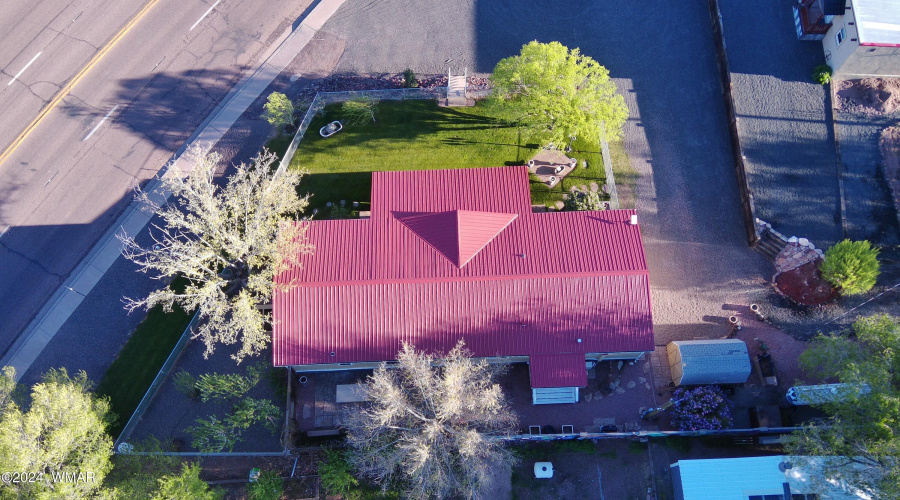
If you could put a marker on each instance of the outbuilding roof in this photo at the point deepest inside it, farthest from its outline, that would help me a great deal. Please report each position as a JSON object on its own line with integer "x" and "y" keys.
{"x": 877, "y": 22}
{"x": 451, "y": 255}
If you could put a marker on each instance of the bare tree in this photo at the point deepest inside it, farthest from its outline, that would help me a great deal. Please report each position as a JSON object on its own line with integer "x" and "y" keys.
{"x": 432, "y": 425}
{"x": 229, "y": 243}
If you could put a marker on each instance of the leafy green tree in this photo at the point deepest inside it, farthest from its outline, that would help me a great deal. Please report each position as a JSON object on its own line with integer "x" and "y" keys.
{"x": 269, "y": 486}
{"x": 279, "y": 110}
{"x": 8, "y": 387}
{"x": 851, "y": 266}
{"x": 63, "y": 432}
{"x": 186, "y": 486}
{"x": 555, "y": 93}
{"x": 360, "y": 110}
{"x": 136, "y": 475}
{"x": 861, "y": 438}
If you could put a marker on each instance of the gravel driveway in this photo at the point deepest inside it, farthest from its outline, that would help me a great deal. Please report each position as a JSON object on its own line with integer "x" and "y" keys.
{"x": 784, "y": 123}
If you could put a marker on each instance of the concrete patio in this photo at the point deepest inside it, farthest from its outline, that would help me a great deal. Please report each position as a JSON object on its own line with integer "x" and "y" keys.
{"x": 616, "y": 394}
{"x": 551, "y": 166}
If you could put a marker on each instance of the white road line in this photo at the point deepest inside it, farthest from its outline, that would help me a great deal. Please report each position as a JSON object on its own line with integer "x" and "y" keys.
{"x": 51, "y": 178}
{"x": 101, "y": 123}
{"x": 23, "y": 69}
{"x": 204, "y": 15}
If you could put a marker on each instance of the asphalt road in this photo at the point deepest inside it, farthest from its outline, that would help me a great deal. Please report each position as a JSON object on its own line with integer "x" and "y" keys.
{"x": 72, "y": 176}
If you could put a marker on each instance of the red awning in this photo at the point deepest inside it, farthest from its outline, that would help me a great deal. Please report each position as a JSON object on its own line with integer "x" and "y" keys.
{"x": 558, "y": 370}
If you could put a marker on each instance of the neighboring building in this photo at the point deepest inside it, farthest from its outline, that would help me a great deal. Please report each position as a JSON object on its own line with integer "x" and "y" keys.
{"x": 865, "y": 41}
{"x": 451, "y": 255}
{"x": 757, "y": 478}
{"x": 813, "y": 18}
{"x": 700, "y": 362}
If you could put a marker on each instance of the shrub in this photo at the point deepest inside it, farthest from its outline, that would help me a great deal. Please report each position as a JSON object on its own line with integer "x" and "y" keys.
{"x": 851, "y": 266}
{"x": 409, "y": 79}
{"x": 186, "y": 384}
{"x": 822, "y": 74}
{"x": 360, "y": 110}
{"x": 268, "y": 486}
{"x": 701, "y": 408}
{"x": 584, "y": 199}
{"x": 335, "y": 476}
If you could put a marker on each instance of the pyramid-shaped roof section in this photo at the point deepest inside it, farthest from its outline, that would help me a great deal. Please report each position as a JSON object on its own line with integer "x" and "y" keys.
{"x": 458, "y": 235}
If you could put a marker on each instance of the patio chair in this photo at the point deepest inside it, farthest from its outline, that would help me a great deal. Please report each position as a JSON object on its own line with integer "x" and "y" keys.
{"x": 568, "y": 429}
{"x": 534, "y": 430}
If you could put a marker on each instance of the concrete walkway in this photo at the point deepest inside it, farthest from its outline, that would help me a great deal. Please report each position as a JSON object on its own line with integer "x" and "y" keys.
{"x": 88, "y": 273}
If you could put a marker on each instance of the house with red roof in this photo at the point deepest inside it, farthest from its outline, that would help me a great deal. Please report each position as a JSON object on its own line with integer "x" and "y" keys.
{"x": 450, "y": 255}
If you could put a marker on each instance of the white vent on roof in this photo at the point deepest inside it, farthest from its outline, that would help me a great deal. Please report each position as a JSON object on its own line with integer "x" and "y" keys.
{"x": 634, "y": 220}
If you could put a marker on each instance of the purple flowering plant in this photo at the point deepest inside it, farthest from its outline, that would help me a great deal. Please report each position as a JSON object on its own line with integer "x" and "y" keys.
{"x": 701, "y": 408}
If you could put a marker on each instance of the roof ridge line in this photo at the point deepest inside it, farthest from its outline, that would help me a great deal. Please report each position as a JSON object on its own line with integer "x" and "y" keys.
{"x": 451, "y": 279}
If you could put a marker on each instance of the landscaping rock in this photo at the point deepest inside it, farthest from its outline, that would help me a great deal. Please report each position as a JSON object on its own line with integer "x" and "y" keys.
{"x": 630, "y": 385}
{"x": 619, "y": 366}
{"x": 588, "y": 397}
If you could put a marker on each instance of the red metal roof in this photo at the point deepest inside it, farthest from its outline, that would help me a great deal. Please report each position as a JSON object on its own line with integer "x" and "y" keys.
{"x": 558, "y": 370}
{"x": 458, "y": 254}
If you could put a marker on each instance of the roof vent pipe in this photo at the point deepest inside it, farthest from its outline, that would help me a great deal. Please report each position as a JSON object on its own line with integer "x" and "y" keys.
{"x": 634, "y": 219}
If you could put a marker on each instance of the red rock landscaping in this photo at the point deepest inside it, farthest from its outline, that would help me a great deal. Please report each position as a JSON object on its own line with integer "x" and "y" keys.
{"x": 805, "y": 285}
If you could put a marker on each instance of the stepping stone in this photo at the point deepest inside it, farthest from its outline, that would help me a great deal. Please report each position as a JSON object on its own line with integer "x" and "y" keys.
{"x": 619, "y": 390}
{"x": 641, "y": 380}
{"x": 619, "y": 366}
{"x": 630, "y": 385}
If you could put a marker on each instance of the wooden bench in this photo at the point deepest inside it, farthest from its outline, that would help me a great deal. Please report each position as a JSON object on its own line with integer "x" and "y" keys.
{"x": 324, "y": 432}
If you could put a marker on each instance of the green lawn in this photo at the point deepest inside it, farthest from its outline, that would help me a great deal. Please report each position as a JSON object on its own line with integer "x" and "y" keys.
{"x": 131, "y": 374}
{"x": 419, "y": 135}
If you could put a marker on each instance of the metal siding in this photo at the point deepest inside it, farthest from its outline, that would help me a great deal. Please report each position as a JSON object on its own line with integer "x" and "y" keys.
{"x": 372, "y": 283}
{"x": 557, "y": 370}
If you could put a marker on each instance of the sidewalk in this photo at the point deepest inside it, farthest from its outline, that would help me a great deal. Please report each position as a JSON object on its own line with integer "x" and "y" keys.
{"x": 107, "y": 250}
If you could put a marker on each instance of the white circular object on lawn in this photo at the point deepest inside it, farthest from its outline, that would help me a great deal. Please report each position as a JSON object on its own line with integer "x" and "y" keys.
{"x": 543, "y": 470}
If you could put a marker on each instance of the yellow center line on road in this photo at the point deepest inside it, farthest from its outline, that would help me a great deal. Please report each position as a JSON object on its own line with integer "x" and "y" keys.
{"x": 68, "y": 87}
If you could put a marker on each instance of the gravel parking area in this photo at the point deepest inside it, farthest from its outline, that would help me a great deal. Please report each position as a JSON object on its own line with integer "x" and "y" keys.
{"x": 870, "y": 212}
{"x": 784, "y": 120}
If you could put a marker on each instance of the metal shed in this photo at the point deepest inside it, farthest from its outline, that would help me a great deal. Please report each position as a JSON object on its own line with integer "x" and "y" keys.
{"x": 696, "y": 362}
